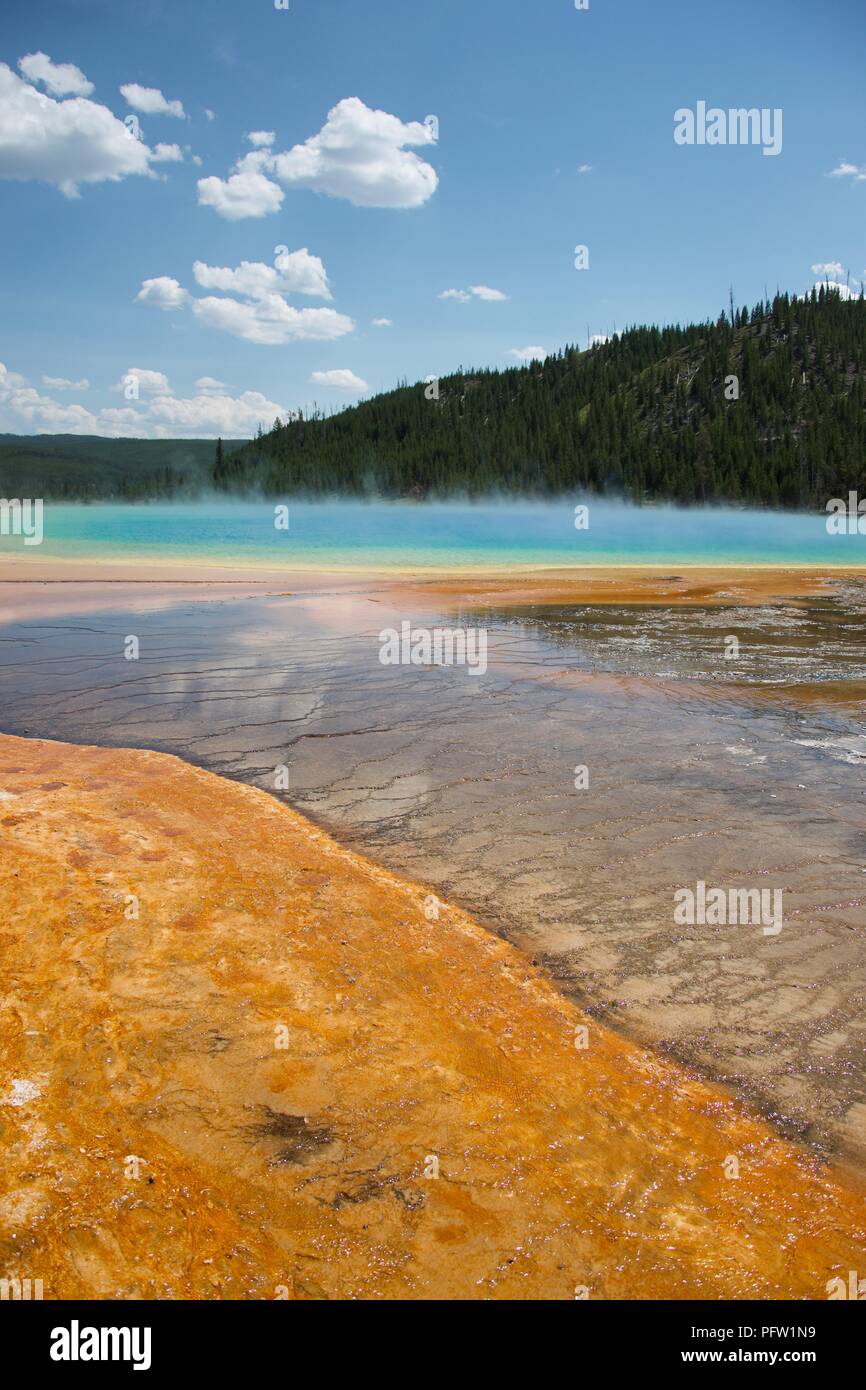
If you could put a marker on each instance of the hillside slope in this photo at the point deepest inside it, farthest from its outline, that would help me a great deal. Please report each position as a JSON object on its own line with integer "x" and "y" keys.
{"x": 652, "y": 414}
{"x": 646, "y": 415}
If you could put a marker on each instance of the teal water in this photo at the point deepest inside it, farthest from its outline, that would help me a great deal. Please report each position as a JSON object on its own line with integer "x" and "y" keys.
{"x": 443, "y": 535}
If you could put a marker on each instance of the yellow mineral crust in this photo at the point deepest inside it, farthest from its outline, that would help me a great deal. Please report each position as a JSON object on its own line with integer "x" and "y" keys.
{"x": 235, "y": 1057}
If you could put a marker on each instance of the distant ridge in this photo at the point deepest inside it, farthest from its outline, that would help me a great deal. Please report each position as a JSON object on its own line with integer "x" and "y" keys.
{"x": 91, "y": 467}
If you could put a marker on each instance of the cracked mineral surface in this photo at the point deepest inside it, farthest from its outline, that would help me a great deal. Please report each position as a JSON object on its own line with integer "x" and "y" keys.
{"x": 239, "y": 1061}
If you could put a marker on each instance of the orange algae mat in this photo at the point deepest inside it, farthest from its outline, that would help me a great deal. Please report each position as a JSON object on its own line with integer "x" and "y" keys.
{"x": 238, "y": 1061}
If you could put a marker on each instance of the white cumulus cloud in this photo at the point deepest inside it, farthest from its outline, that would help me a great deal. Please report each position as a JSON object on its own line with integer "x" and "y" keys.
{"x": 262, "y": 313}
{"x": 479, "y": 291}
{"x": 844, "y": 291}
{"x": 248, "y": 192}
{"x": 151, "y": 101}
{"x": 270, "y": 320}
{"x": 162, "y": 292}
{"x": 846, "y": 170}
{"x": 61, "y": 79}
{"x": 158, "y": 414}
{"x": 64, "y": 143}
{"x": 167, "y": 154}
{"x": 528, "y": 354}
{"x": 359, "y": 154}
{"x": 342, "y": 379}
{"x": 382, "y": 323}
{"x": 62, "y": 383}
{"x": 147, "y": 381}
{"x": 23, "y": 408}
{"x": 294, "y": 272}
{"x": 208, "y": 415}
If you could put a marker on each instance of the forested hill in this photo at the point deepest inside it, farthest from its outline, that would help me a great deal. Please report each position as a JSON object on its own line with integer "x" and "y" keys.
{"x": 653, "y": 413}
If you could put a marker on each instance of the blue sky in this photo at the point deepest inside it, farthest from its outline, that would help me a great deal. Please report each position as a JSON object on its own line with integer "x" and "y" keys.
{"x": 526, "y": 95}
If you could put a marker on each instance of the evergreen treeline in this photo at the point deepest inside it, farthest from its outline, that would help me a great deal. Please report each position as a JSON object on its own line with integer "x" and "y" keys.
{"x": 649, "y": 414}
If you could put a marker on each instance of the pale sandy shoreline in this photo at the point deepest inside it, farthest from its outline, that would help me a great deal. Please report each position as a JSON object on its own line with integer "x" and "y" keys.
{"x": 30, "y": 566}
{"x": 33, "y": 584}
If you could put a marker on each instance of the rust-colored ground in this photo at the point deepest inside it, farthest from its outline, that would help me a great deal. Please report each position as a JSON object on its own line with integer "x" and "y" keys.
{"x": 32, "y": 587}
{"x": 624, "y": 584}
{"x": 308, "y": 1170}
